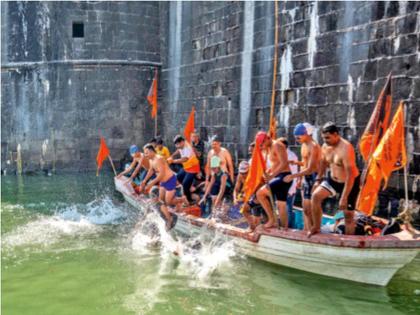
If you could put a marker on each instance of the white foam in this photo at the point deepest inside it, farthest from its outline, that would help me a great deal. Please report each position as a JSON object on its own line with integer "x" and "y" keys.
{"x": 44, "y": 231}
{"x": 73, "y": 220}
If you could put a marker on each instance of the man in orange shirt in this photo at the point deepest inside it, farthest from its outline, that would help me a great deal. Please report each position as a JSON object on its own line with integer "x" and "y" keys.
{"x": 190, "y": 164}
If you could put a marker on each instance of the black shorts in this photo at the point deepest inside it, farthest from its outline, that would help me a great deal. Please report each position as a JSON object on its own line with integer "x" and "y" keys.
{"x": 336, "y": 188}
{"x": 308, "y": 183}
{"x": 279, "y": 188}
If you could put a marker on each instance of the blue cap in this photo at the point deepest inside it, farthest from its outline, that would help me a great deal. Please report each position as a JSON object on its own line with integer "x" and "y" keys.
{"x": 300, "y": 130}
{"x": 133, "y": 149}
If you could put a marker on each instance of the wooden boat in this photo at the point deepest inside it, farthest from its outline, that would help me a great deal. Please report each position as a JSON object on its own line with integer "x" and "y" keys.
{"x": 365, "y": 259}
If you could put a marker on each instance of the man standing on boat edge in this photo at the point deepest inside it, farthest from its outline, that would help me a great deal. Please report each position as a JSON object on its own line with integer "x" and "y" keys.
{"x": 275, "y": 185}
{"x": 311, "y": 155}
{"x": 339, "y": 157}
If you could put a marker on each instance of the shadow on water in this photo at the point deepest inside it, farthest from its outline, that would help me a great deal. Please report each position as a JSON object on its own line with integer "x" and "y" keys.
{"x": 71, "y": 246}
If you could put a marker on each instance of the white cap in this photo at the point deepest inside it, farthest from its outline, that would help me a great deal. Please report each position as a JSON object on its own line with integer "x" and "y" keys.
{"x": 309, "y": 128}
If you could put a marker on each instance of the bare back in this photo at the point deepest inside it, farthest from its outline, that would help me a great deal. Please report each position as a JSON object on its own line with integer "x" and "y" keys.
{"x": 161, "y": 167}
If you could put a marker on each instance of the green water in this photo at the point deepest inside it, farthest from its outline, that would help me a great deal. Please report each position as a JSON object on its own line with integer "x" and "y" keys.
{"x": 69, "y": 247}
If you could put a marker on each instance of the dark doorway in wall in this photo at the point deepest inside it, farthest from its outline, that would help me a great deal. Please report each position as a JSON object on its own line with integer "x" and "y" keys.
{"x": 78, "y": 30}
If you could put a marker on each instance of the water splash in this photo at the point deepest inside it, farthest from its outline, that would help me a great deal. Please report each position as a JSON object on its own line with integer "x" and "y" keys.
{"x": 70, "y": 221}
{"x": 200, "y": 255}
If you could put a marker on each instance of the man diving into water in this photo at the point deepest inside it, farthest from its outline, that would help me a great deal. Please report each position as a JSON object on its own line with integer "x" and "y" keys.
{"x": 343, "y": 179}
{"x": 166, "y": 179}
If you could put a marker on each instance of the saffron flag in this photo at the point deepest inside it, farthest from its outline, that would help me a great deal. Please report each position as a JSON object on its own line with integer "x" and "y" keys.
{"x": 152, "y": 95}
{"x": 390, "y": 154}
{"x": 189, "y": 126}
{"x": 369, "y": 191}
{"x": 103, "y": 153}
{"x": 378, "y": 122}
{"x": 255, "y": 174}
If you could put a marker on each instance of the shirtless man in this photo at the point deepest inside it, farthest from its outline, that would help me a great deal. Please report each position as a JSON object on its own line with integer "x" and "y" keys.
{"x": 337, "y": 155}
{"x": 139, "y": 161}
{"x": 166, "y": 179}
{"x": 274, "y": 178}
{"x": 311, "y": 156}
{"x": 225, "y": 159}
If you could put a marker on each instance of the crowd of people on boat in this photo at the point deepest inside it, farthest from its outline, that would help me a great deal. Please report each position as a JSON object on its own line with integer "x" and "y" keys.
{"x": 191, "y": 176}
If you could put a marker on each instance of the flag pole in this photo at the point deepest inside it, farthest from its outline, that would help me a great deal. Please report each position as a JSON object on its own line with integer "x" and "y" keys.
{"x": 112, "y": 164}
{"x": 405, "y": 169}
{"x": 155, "y": 126}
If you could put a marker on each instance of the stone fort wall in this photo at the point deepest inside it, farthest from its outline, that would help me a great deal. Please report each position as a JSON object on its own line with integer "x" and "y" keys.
{"x": 333, "y": 61}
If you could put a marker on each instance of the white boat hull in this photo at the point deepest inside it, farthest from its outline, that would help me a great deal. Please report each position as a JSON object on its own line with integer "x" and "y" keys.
{"x": 366, "y": 265}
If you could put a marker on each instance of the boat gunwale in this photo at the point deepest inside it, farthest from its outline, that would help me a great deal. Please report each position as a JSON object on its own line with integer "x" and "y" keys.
{"x": 334, "y": 240}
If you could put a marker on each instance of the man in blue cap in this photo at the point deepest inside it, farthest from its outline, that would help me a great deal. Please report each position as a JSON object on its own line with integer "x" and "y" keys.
{"x": 311, "y": 156}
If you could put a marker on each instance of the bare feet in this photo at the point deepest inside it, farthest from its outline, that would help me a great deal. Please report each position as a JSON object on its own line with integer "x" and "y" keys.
{"x": 269, "y": 225}
{"x": 313, "y": 231}
{"x": 168, "y": 224}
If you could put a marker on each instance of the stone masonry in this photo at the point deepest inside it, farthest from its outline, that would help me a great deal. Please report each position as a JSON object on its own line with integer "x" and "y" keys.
{"x": 333, "y": 61}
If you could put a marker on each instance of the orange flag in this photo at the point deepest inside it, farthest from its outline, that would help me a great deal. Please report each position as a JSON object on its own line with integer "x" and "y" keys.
{"x": 255, "y": 174}
{"x": 189, "y": 126}
{"x": 369, "y": 191}
{"x": 152, "y": 95}
{"x": 103, "y": 153}
{"x": 378, "y": 122}
{"x": 390, "y": 154}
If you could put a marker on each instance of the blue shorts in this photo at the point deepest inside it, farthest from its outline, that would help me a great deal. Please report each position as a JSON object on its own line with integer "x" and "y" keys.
{"x": 279, "y": 188}
{"x": 170, "y": 184}
{"x": 308, "y": 184}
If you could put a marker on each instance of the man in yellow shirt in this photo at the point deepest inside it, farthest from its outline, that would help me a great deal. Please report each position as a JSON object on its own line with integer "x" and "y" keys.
{"x": 161, "y": 149}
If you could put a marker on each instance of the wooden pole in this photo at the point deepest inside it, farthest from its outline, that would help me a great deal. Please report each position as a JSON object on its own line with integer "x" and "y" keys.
{"x": 112, "y": 164}
{"x": 405, "y": 168}
{"x": 155, "y": 133}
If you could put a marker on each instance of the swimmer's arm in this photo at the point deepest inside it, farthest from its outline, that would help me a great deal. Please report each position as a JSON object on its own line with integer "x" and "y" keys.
{"x": 348, "y": 164}
{"x": 298, "y": 163}
{"x": 222, "y": 189}
{"x": 180, "y": 161}
{"x": 128, "y": 169}
{"x": 138, "y": 167}
{"x": 160, "y": 167}
{"x": 322, "y": 167}
{"x": 149, "y": 174}
{"x": 238, "y": 187}
{"x": 174, "y": 154}
{"x": 230, "y": 166}
{"x": 208, "y": 188}
{"x": 207, "y": 168}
